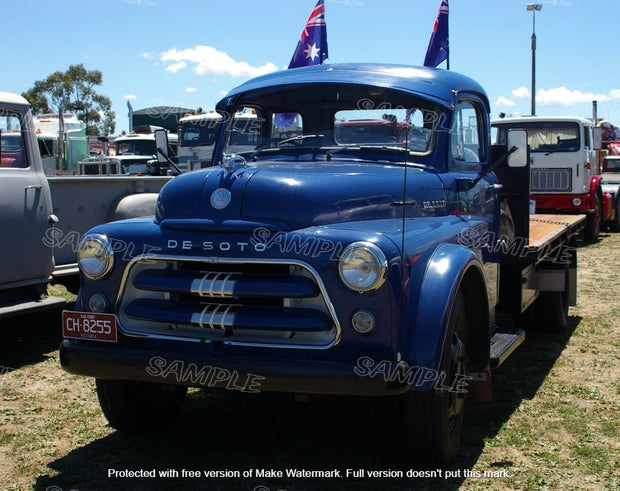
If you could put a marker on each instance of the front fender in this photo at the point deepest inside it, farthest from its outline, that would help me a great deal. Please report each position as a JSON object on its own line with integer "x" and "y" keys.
{"x": 595, "y": 187}
{"x": 433, "y": 284}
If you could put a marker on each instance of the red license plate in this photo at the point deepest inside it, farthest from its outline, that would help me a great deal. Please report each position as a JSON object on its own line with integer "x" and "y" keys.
{"x": 86, "y": 325}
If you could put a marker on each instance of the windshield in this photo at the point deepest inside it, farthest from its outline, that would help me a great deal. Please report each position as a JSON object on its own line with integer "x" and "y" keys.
{"x": 198, "y": 133}
{"x": 546, "y": 137}
{"x": 135, "y": 147}
{"x": 611, "y": 164}
{"x": 330, "y": 118}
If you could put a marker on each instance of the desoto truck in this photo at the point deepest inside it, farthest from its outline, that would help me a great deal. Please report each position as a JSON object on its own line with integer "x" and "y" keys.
{"x": 335, "y": 259}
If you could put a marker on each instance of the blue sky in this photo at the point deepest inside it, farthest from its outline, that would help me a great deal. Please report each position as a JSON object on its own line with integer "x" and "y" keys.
{"x": 189, "y": 53}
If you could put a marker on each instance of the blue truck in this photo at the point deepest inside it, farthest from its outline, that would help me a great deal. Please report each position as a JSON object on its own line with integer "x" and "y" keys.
{"x": 365, "y": 240}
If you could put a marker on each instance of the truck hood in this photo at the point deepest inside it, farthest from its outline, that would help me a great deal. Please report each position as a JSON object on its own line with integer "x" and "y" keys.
{"x": 291, "y": 196}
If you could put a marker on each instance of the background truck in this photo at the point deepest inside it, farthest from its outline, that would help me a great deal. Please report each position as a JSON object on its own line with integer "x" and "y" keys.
{"x": 132, "y": 154}
{"x": 329, "y": 262}
{"x": 610, "y": 165}
{"x": 74, "y": 142}
{"x": 197, "y": 135}
{"x": 564, "y": 177}
{"x": 43, "y": 217}
{"x": 611, "y": 190}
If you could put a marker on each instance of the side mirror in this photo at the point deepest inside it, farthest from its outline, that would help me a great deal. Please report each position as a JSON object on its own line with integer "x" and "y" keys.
{"x": 161, "y": 144}
{"x": 517, "y": 139}
{"x": 597, "y": 138}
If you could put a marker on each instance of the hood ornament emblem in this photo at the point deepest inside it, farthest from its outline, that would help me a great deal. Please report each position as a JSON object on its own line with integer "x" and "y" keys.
{"x": 233, "y": 162}
{"x": 220, "y": 198}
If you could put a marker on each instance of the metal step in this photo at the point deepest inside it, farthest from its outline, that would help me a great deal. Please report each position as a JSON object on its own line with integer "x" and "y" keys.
{"x": 504, "y": 340}
{"x": 30, "y": 306}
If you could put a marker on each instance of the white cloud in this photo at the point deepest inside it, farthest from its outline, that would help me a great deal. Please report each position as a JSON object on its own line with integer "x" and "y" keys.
{"x": 521, "y": 93}
{"x": 147, "y": 55}
{"x": 190, "y": 89}
{"x": 207, "y": 60}
{"x": 561, "y": 96}
{"x": 504, "y": 101}
{"x": 131, "y": 97}
{"x": 176, "y": 67}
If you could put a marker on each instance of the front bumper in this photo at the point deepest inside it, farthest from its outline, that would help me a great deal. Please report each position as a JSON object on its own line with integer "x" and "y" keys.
{"x": 563, "y": 203}
{"x": 241, "y": 374}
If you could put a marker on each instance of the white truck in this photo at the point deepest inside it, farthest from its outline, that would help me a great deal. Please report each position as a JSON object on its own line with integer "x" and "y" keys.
{"x": 43, "y": 217}
{"x": 131, "y": 154}
{"x": 564, "y": 177}
{"x": 73, "y": 141}
{"x": 197, "y": 136}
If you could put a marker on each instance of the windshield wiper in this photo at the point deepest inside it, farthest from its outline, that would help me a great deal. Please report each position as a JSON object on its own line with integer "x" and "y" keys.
{"x": 299, "y": 138}
{"x": 385, "y": 148}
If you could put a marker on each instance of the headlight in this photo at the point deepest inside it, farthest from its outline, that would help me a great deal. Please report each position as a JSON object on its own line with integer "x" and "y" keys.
{"x": 576, "y": 202}
{"x": 362, "y": 267}
{"x": 95, "y": 256}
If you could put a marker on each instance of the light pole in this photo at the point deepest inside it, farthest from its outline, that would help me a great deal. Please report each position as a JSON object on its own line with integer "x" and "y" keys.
{"x": 534, "y": 7}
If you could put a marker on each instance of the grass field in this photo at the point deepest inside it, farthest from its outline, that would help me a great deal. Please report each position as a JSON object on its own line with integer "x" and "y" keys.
{"x": 553, "y": 422}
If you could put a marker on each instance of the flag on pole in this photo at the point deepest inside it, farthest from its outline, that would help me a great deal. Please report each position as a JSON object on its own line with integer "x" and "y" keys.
{"x": 312, "y": 46}
{"x": 438, "y": 45}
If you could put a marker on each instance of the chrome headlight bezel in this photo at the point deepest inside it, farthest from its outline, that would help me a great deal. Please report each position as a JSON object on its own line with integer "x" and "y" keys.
{"x": 362, "y": 267}
{"x": 95, "y": 256}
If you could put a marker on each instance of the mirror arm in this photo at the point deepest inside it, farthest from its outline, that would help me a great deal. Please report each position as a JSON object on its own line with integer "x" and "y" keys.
{"x": 495, "y": 165}
{"x": 170, "y": 162}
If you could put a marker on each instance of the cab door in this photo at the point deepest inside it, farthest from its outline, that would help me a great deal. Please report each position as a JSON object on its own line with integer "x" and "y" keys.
{"x": 25, "y": 203}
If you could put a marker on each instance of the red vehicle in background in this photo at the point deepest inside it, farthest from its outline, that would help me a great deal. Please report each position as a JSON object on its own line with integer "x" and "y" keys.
{"x": 610, "y": 158}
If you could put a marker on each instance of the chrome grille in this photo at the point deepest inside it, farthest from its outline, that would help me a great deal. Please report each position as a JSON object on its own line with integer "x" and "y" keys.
{"x": 236, "y": 301}
{"x": 550, "y": 180}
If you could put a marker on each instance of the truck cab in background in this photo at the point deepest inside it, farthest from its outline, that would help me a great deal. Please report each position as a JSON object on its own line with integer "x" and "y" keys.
{"x": 198, "y": 133}
{"x": 74, "y": 141}
{"x": 25, "y": 213}
{"x": 131, "y": 154}
{"x": 44, "y": 212}
{"x": 564, "y": 175}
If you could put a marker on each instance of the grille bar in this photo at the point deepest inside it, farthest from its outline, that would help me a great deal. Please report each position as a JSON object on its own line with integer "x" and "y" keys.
{"x": 228, "y": 316}
{"x": 551, "y": 179}
{"x": 214, "y": 284}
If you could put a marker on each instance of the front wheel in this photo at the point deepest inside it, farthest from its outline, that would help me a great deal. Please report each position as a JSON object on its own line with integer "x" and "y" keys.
{"x": 136, "y": 407}
{"x": 434, "y": 419}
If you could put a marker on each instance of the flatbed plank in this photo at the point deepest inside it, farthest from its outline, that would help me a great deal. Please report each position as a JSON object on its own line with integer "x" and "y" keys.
{"x": 545, "y": 228}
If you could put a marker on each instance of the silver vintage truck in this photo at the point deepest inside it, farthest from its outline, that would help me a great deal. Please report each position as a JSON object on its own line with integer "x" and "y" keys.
{"x": 43, "y": 217}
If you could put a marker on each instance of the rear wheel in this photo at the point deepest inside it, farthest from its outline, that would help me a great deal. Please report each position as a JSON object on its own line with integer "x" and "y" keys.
{"x": 593, "y": 221}
{"x": 552, "y": 308}
{"x": 434, "y": 419}
{"x": 136, "y": 408}
{"x": 614, "y": 224}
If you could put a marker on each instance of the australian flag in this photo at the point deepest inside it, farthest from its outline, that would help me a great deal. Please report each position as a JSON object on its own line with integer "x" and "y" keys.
{"x": 312, "y": 46}
{"x": 438, "y": 45}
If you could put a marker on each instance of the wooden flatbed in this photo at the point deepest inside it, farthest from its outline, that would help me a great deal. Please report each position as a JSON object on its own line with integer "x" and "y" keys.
{"x": 545, "y": 229}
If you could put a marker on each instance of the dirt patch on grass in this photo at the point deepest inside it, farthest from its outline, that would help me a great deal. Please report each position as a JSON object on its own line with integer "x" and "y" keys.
{"x": 551, "y": 425}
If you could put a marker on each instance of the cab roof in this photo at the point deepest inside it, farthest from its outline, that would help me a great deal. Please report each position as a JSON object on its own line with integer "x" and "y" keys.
{"x": 9, "y": 98}
{"x": 436, "y": 84}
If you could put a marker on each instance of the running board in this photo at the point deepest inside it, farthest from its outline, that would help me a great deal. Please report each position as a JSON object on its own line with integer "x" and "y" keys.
{"x": 504, "y": 340}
